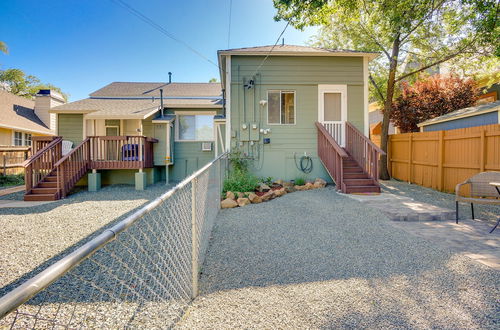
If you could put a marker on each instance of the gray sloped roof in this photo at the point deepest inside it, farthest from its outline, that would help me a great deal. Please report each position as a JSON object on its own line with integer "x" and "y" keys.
{"x": 150, "y": 89}
{"x": 127, "y": 100}
{"x": 291, "y": 49}
{"x": 465, "y": 112}
{"x": 18, "y": 113}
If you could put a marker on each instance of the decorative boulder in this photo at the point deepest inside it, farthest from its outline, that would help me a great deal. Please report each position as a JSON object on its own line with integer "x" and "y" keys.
{"x": 228, "y": 203}
{"x": 319, "y": 183}
{"x": 263, "y": 187}
{"x": 308, "y": 186}
{"x": 298, "y": 188}
{"x": 280, "y": 192}
{"x": 268, "y": 196}
{"x": 230, "y": 195}
{"x": 278, "y": 182}
{"x": 254, "y": 199}
{"x": 242, "y": 201}
{"x": 239, "y": 194}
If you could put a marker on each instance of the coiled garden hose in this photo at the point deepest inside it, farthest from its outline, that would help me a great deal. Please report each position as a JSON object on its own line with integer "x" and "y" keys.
{"x": 305, "y": 164}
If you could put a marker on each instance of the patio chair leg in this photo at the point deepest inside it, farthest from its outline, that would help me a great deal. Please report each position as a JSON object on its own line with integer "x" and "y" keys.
{"x": 472, "y": 209}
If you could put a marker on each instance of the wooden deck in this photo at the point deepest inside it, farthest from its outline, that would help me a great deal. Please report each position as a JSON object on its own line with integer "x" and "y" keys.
{"x": 50, "y": 175}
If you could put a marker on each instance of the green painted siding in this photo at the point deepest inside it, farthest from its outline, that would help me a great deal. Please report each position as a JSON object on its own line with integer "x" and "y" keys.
{"x": 302, "y": 75}
{"x": 70, "y": 127}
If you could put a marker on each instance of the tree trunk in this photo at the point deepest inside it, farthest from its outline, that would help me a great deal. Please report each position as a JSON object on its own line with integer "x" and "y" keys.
{"x": 384, "y": 171}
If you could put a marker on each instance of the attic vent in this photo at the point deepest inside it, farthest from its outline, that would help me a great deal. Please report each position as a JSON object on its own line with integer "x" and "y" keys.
{"x": 206, "y": 146}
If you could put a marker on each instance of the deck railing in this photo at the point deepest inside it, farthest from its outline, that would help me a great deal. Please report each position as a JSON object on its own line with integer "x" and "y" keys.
{"x": 331, "y": 155}
{"x": 72, "y": 167}
{"x": 364, "y": 151}
{"x": 121, "y": 152}
{"x": 40, "y": 142}
{"x": 41, "y": 164}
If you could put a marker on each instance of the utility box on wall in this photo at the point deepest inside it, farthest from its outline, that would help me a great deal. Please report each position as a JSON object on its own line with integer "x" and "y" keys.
{"x": 254, "y": 132}
{"x": 245, "y": 132}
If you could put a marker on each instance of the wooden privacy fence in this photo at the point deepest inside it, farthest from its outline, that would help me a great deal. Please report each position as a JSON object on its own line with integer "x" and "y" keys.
{"x": 12, "y": 158}
{"x": 442, "y": 159}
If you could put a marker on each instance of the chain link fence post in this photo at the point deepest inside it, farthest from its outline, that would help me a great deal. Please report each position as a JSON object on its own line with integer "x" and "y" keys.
{"x": 194, "y": 240}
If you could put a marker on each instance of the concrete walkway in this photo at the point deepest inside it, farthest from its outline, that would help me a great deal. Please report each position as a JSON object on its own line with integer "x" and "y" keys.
{"x": 401, "y": 208}
{"x": 317, "y": 259}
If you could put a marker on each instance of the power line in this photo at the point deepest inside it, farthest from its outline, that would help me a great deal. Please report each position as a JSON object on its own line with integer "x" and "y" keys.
{"x": 158, "y": 27}
{"x": 229, "y": 28}
{"x": 277, "y": 40}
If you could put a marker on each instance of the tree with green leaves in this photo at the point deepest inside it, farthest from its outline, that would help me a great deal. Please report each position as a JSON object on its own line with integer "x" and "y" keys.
{"x": 18, "y": 83}
{"x": 424, "y": 33}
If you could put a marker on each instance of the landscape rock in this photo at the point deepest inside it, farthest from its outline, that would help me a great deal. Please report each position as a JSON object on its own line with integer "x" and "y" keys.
{"x": 228, "y": 203}
{"x": 289, "y": 187}
{"x": 298, "y": 188}
{"x": 308, "y": 186}
{"x": 263, "y": 187}
{"x": 255, "y": 199}
{"x": 242, "y": 201}
{"x": 278, "y": 182}
{"x": 268, "y": 196}
{"x": 319, "y": 183}
{"x": 230, "y": 195}
{"x": 280, "y": 192}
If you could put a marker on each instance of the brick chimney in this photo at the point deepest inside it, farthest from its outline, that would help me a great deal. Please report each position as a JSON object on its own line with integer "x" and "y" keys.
{"x": 45, "y": 100}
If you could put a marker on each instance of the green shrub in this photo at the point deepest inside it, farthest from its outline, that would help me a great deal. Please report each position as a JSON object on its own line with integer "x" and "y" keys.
{"x": 241, "y": 181}
{"x": 11, "y": 180}
{"x": 269, "y": 180}
{"x": 300, "y": 181}
{"x": 237, "y": 162}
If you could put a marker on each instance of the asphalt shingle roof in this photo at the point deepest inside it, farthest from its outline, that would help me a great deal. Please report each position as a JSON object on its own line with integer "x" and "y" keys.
{"x": 465, "y": 112}
{"x": 141, "y": 99}
{"x": 17, "y": 112}
{"x": 294, "y": 49}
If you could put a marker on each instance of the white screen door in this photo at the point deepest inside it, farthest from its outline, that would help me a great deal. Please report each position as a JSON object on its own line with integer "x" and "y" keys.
{"x": 332, "y": 110}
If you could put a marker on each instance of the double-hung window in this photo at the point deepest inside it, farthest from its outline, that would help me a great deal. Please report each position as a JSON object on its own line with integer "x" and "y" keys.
{"x": 27, "y": 139}
{"x": 195, "y": 127}
{"x": 281, "y": 107}
{"x": 18, "y": 138}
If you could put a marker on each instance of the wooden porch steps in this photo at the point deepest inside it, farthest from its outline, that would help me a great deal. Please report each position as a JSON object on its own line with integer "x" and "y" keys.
{"x": 45, "y": 190}
{"x": 356, "y": 180}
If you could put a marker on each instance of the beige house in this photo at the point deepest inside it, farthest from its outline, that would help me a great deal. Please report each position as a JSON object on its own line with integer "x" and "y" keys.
{"x": 22, "y": 118}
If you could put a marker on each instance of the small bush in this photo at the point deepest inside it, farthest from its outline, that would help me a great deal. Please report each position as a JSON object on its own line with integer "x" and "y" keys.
{"x": 237, "y": 162}
{"x": 241, "y": 181}
{"x": 268, "y": 180}
{"x": 11, "y": 180}
{"x": 300, "y": 181}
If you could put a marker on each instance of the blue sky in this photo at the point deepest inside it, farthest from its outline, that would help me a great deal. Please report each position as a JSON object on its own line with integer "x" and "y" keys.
{"x": 81, "y": 46}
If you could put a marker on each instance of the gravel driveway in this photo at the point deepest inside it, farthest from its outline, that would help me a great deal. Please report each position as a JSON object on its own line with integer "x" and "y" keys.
{"x": 316, "y": 259}
{"x": 33, "y": 238}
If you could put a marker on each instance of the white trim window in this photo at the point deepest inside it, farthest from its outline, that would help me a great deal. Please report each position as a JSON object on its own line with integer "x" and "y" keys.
{"x": 18, "y": 138}
{"x": 27, "y": 139}
{"x": 281, "y": 107}
{"x": 191, "y": 126}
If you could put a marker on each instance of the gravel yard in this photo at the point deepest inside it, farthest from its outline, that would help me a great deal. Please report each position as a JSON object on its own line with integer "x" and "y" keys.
{"x": 488, "y": 213}
{"x": 35, "y": 237}
{"x": 316, "y": 259}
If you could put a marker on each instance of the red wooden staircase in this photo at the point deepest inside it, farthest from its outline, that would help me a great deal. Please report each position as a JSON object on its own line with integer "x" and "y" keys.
{"x": 353, "y": 168}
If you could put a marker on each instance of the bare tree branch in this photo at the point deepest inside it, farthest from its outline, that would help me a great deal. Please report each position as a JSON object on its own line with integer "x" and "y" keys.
{"x": 377, "y": 88}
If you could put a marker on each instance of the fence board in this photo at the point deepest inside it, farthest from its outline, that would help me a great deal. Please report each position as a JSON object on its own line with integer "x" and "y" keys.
{"x": 12, "y": 158}
{"x": 442, "y": 159}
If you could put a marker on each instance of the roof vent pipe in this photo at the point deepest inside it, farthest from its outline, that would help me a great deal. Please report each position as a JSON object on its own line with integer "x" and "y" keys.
{"x": 170, "y": 77}
{"x": 161, "y": 103}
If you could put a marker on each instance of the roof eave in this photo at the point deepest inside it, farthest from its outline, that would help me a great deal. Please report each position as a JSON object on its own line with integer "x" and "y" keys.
{"x": 18, "y": 128}
{"x": 370, "y": 56}
{"x": 472, "y": 114}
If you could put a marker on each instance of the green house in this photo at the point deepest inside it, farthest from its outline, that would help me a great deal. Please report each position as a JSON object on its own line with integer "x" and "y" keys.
{"x": 291, "y": 111}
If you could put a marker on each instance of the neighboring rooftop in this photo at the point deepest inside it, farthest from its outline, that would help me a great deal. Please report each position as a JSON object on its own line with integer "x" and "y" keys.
{"x": 465, "y": 112}
{"x": 295, "y": 50}
{"x": 152, "y": 89}
{"x": 129, "y": 100}
{"x": 18, "y": 113}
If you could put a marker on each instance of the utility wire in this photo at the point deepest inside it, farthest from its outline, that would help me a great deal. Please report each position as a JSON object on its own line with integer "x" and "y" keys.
{"x": 229, "y": 28}
{"x": 265, "y": 58}
{"x": 158, "y": 27}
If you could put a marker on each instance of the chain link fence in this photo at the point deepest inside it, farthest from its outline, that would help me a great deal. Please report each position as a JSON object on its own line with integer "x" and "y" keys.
{"x": 142, "y": 272}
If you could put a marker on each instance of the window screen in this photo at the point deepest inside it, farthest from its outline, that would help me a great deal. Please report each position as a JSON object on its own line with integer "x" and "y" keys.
{"x": 281, "y": 107}
{"x": 196, "y": 127}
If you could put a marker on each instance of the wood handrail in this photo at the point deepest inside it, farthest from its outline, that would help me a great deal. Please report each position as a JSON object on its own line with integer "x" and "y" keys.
{"x": 330, "y": 139}
{"x": 71, "y": 152}
{"x": 42, "y": 151}
{"x": 367, "y": 140}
